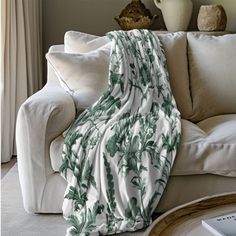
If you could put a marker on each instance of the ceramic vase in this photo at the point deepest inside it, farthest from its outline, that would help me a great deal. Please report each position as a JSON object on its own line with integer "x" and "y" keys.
{"x": 176, "y": 13}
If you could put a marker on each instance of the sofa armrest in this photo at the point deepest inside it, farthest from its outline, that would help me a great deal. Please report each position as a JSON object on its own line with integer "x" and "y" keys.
{"x": 41, "y": 118}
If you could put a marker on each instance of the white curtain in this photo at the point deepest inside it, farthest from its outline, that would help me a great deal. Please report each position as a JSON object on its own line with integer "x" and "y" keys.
{"x": 21, "y": 63}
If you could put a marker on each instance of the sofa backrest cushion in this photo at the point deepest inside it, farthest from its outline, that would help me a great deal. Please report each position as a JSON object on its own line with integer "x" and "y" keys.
{"x": 83, "y": 75}
{"x": 79, "y": 42}
{"x": 212, "y": 67}
{"x": 175, "y": 45}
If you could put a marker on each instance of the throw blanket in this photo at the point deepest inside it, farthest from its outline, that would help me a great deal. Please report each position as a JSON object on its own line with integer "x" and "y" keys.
{"x": 118, "y": 154}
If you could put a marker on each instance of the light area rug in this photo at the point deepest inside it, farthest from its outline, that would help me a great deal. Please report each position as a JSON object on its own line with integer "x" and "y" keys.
{"x": 16, "y": 222}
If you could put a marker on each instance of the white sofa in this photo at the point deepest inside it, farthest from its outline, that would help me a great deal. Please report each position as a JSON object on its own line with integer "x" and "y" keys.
{"x": 203, "y": 79}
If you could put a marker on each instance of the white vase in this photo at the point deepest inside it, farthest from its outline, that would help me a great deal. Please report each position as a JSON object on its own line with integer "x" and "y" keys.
{"x": 176, "y": 13}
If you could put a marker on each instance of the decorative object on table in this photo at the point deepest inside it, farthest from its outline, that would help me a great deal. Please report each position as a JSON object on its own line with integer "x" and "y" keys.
{"x": 221, "y": 225}
{"x": 211, "y": 18}
{"x": 176, "y": 13}
{"x": 135, "y": 16}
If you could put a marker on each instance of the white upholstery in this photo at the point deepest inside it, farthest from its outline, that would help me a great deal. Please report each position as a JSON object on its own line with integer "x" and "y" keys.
{"x": 208, "y": 146}
{"x": 201, "y": 150}
{"x": 212, "y": 69}
{"x": 51, "y": 75}
{"x": 41, "y": 118}
{"x": 179, "y": 190}
{"x": 78, "y": 42}
{"x": 83, "y": 75}
{"x": 56, "y": 152}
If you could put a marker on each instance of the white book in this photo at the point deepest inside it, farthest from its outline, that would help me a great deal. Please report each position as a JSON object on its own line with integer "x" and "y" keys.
{"x": 222, "y": 225}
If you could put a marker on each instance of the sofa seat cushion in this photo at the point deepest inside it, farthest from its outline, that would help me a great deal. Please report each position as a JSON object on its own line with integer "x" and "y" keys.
{"x": 206, "y": 147}
{"x": 179, "y": 190}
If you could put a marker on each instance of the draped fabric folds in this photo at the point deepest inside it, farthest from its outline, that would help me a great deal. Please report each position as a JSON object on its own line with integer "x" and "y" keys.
{"x": 117, "y": 155}
{"x": 21, "y": 63}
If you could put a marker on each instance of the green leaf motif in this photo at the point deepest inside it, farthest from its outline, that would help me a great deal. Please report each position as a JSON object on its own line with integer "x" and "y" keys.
{"x": 134, "y": 144}
{"x": 145, "y": 75}
{"x": 132, "y": 65}
{"x": 117, "y": 79}
{"x": 111, "y": 189}
{"x": 112, "y": 145}
{"x": 132, "y": 209}
{"x": 79, "y": 200}
{"x": 167, "y": 104}
{"x": 87, "y": 223}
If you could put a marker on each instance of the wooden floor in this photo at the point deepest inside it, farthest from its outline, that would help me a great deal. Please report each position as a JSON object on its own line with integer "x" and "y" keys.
{"x": 5, "y": 167}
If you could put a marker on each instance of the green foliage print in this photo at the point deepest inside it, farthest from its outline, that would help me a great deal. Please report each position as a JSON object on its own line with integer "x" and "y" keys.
{"x": 117, "y": 155}
{"x": 86, "y": 222}
{"x": 112, "y": 221}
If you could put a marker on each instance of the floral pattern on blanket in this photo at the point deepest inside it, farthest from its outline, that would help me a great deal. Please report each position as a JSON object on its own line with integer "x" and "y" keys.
{"x": 118, "y": 154}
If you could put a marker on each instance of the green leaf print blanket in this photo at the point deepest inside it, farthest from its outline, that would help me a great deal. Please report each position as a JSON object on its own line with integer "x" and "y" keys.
{"x": 118, "y": 154}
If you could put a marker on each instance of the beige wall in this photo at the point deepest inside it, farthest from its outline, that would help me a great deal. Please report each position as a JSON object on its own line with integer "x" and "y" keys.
{"x": 97, "y": 16}
{"x": 91, "y": 16}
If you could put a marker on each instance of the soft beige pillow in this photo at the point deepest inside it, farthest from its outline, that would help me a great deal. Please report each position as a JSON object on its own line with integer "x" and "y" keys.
{"x": 84, "y": 76}
{"x": 212, "y": 66}
{"x": 175, "y": 45}
{"x": 78, "y": 42}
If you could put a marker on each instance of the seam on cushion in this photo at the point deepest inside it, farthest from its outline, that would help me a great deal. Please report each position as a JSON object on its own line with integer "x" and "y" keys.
{"x": 189, "y": 78}
{"x": 207, "y": 143}
{"x": 55, "y": 171}
{"x": 221, "y": 170}
{"x": 53, "y": 111}
{"x": 206, "y": 172}
{"x": 58, "y": 74}
{"x": 215, "y": 116}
